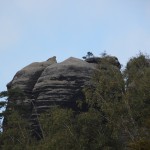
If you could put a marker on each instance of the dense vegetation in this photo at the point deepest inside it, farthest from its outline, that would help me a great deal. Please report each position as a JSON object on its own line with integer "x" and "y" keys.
{"x": 117, "y": 116}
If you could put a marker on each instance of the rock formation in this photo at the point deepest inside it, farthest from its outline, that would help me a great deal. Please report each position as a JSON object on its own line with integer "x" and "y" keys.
{"x": 50, "y": 83}
{"x": 26, "y": 78}
{"x": 61, "y": 83}
{"x": 47, "y": 84}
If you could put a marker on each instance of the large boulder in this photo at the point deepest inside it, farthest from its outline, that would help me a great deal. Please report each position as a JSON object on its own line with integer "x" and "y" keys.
{"x": 48, "y": 84}
{"x": 62, "y": 83}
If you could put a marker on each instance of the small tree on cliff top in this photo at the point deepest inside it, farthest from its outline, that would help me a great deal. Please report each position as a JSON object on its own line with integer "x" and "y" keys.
{"x": 89, "y": 55}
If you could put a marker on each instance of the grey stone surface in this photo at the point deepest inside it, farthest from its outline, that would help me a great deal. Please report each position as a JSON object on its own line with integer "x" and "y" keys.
{"x": 26, "y": 78}
{"x": 62, "y": 83}
{"x": 48, "y": 84}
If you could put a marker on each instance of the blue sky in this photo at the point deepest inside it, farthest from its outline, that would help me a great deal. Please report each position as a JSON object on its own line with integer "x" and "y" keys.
{"x": 34, "y": 30}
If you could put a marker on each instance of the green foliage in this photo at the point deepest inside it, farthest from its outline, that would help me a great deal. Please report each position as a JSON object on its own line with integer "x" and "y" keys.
{"x": 16, "y": 134}
{"x": 3, "y": 103}
{"x": 3, "y": 94}
{"x": 106, "y": 95}
{"x": 136, "y": 68}
{"x": 117, "y": 117}
{"x": 58, "y": 128}
{"x": 16, "y": 101}
{"x": 63, "y": 129}
{"x": 137, "y": 75}
{"x": 89, "y": 130}
{"x": 89, "y": 55}
{"x": 124, "y": 105}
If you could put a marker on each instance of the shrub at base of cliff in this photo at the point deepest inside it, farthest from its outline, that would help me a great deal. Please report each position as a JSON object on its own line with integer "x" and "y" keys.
{"x": 62, "y": 129}
{"x": 16, "y": 130}
{"x": 16, "y": 135}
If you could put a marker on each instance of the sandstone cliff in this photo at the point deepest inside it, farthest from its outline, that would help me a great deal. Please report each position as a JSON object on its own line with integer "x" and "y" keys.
{"x": 48, "y": 84}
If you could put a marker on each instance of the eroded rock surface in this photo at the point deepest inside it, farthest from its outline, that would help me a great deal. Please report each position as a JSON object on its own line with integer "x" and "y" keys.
{"x": 26, "y": 78}
{"x": 48, "y": 84}
{"x": 62, "y": 83}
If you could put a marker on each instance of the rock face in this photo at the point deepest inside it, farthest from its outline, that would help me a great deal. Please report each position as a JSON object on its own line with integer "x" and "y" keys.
{"x": 61, "y": 83}
{"x": 48, "y": 84}
{"x": 26, "y": 78}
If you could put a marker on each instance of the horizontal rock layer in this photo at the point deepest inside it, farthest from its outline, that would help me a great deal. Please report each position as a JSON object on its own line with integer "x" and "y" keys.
{"x": 62, "y": 83}
{"x": 48, "y": 84}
